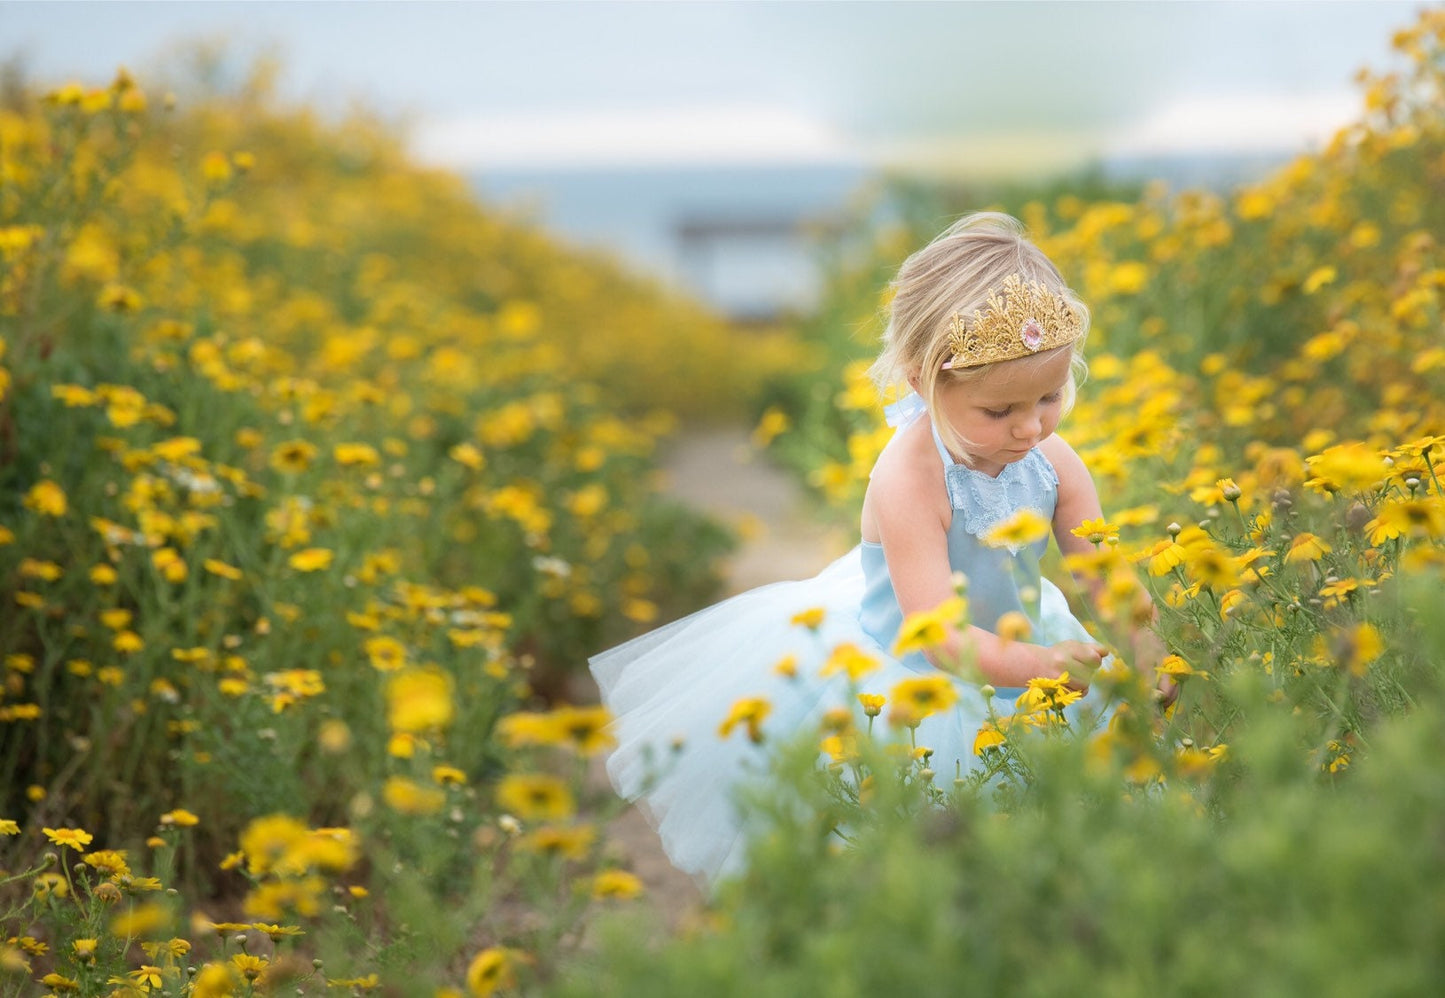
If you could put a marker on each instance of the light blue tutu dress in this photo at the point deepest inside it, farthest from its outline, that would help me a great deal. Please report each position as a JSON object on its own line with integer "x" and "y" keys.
{"x": 670, "y": 689}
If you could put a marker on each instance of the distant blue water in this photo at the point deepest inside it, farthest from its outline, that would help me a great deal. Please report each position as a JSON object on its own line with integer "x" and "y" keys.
{"x": 641, "y": 214}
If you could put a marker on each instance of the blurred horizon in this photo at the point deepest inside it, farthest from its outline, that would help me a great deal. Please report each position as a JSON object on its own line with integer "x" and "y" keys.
{"x": 652, "y": 129}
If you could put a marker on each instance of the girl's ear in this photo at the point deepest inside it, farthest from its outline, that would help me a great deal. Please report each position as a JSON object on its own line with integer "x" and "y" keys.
{"x": 913, "y": 380}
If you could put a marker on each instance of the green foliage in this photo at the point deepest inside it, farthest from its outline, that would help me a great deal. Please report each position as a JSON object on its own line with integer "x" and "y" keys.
{"x": 1266, "y": 878}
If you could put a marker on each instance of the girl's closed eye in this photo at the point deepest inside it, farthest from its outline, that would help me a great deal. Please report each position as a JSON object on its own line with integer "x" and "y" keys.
{"x": 1048, "y": 399}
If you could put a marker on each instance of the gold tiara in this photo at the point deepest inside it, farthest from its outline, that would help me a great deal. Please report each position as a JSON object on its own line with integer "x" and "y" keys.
{"x": 1019, "y": 319}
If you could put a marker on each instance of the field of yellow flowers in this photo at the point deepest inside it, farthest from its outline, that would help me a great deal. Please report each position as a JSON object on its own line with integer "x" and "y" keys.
{"x": 313, "y": 475}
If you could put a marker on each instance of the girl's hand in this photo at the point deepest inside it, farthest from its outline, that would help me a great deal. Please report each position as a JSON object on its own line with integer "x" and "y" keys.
{"x": 1166, "y": 691}
{"x": 1080, "y": 659}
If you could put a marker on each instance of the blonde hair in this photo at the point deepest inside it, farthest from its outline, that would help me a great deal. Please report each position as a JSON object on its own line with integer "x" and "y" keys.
{"x": 953, "y": 274}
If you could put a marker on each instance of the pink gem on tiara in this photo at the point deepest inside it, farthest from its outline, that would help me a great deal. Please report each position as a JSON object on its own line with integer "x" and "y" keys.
{"x": 1032, "y": 334}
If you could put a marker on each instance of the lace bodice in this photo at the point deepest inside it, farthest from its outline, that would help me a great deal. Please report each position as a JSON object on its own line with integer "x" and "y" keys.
{"x": 1000, "y": 580}
{"x": 982, "y": 501}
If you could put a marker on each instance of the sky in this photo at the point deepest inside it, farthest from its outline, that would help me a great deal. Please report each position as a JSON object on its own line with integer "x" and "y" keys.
{"x": 970, "y": 86}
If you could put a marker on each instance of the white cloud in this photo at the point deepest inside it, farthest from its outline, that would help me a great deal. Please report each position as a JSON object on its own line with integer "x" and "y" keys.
{"x": 1259, "y": 123}
{"x": 669, "y": 136}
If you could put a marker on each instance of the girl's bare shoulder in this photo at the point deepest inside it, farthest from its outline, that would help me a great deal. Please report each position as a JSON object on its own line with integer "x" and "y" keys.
{"x": 1065, "y": 460}
{"x": 907, "y": 479}
{"x": 909, "y": 459}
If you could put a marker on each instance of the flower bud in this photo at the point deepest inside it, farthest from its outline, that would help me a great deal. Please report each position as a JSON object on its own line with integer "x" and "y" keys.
{"x": 988, "y": 691}
{"x": 1173, "y": 529}
{"x": 1358, "y": 515}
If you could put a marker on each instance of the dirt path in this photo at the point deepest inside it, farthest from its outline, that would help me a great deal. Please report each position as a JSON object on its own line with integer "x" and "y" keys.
{"x": 717, "y": 472}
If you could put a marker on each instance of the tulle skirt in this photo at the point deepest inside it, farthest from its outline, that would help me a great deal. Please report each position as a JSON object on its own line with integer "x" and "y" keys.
{"x": 670, "y": 690}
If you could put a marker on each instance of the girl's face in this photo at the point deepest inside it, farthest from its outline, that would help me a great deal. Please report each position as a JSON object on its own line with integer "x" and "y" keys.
{"x": 1010, "y": 409}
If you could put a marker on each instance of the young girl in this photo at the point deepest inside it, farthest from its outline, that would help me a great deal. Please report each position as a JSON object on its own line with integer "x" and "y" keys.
{"x": 985, "y": 331}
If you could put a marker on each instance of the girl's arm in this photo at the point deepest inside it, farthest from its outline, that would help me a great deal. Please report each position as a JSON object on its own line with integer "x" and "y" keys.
{"x": 1079, "y": 501}
{"x": 907, "y": 503}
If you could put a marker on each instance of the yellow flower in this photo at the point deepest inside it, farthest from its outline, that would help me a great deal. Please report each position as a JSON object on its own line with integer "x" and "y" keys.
{"x": 1211, "y": 564}
{"x": 1337, "y": 592}
{"x": 1164, "y": 557}
{"x": 787, "y": 666}
{"x": 749, "y": 712}
{"x": 468, "y": 455}
{"x": 1097, "y": 531}
{"x": 1318, "y": 278}
{"x": 811, "y": 618}
{"x": 293, "y": 456}
{"x": 1414, "y": 518}
{"x": 1348, "y": 467}
{"x": 1023, "y": 528}
{"x": 419, "y": 700}
{"x": 266, "y": 842}
{"x": 1128, "y": 277}
{"x": 616, "y": 884}
{"x": 915, "y": 699}
{"x": 1306, "y": 547}
{"x": 1357, "y": 647}
{"x": 33, "y": 568}
{"x": 848, "y": 658}
{"x": 363, "y": 455}
{"x": 568, "y": 843}
{"x": 403, "y": 746}
{"x": 73, "y": 396}
{"x": 180, "y": 817}
{"x": 773, "y": 423}
{"x": 1175, "y": 666}
{"x": 386, "y": 653}
{"x": 142, "y": 920}
{"x": 54, "y": 885}
{"x": 641, "y": 610}
{"x": 491, "y": 970}
{"x": 841, "y": 748}
{"x": 111, "y": 862}
{"x": 535, "y": 796}
{"x": 1044, "y": 694}
{"x": 170, "y": 564}
{"x": 1013, "y": 626}
{"x": 70, "y": 838}
{"x": 249, "y": 967}
{"x": 584, "y": 729}
{"x": 8, "y": 826}
{"x": 872, "y": 703}
{"x": 988, "y": 737}
{"x": 222, "y": 569}
{"x": 46, "y": 498}
{"x": 448, "y": 775}
{"x": 929, "y": 628}
{"x": 116, "y": 297}
{"x": 401, "y": 794}
{"x": 525, "y": 727}
{"x": 311, "y": 560}
{"x": 213, "y": 981}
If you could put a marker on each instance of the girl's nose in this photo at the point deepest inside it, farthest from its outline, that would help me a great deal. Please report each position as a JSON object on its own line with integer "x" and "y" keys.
{"x": 1028, "y": 427}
